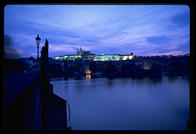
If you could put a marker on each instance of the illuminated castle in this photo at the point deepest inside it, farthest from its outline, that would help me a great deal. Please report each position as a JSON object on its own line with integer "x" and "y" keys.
{"x": 88, "y": 56}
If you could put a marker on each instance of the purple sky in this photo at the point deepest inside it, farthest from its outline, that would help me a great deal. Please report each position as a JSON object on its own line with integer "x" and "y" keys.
{"x": 111, "y": 29}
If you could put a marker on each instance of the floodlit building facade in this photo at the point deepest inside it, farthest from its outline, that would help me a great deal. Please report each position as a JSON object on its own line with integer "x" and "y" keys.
{"x": 88, "y": 56}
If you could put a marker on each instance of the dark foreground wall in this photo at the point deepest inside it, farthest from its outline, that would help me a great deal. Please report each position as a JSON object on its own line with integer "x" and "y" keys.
{"x": 28, "y": 99}
{"x": 25, "y": 107}
{"x": 22, "y": 101}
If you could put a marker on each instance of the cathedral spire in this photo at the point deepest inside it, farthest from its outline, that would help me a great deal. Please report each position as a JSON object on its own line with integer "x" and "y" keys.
{"x": 80, "y": 49}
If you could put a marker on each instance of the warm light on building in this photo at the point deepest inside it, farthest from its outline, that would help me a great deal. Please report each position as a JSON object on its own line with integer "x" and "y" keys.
{"x": 130, "y": 57}
{"x": 108, "y": 57}
{"x": 125, "y": 57}
{"x": 147, "y": 66}
{"x": 87, "y": 56}
{"x": 88, "y": 71}
{"x": 57, "y": 58}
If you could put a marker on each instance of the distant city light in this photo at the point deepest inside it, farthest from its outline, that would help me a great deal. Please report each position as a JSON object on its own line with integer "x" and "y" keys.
{"x": 147, "y": 66}
{"x": 88, "y": 76}
{"x": 88, "y": 71}
{"x": 87, "y": 55}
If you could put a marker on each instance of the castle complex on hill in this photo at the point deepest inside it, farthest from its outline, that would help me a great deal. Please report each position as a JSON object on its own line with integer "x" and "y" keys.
{"x": 88, "y": 56}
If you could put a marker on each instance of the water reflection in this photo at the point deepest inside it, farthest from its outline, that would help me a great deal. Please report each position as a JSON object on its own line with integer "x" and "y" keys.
{"x": 78, "y": 86}
{"x": 174, "y": 78}
{"x": 126, "y": 104}
{"x": 88, "y": 76}
{"x": 148, "y": 81}
{"x": 66, "y": 88}
{"x": 110, "y": 82}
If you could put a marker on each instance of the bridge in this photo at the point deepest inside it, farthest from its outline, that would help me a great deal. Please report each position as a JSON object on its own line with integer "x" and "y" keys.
{"x": 29, "y": 102}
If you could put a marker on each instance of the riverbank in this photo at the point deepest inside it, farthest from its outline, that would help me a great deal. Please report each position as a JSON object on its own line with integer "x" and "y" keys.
{"x": 139, "y": 67}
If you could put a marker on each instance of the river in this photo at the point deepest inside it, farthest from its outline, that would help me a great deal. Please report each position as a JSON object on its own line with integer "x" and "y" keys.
{"x": 126, "y": 103}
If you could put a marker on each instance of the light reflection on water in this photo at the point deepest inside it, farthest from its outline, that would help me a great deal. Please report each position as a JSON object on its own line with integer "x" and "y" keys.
{"x": 126, "y": 103}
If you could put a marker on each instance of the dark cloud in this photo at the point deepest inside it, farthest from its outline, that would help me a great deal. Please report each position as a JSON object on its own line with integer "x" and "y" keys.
{"x": 98, "y": 29}
{"x": 184, "y": 47}
{"x": 7, "y": 41}
{"x": 163, "y": 50}
{"x": 158, "y": 39}
{"x": 182, "y": 19}
{"x": 10, "y": 52}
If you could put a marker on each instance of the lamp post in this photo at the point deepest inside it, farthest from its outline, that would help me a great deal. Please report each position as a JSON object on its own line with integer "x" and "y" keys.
{"x": 38, "y": 40}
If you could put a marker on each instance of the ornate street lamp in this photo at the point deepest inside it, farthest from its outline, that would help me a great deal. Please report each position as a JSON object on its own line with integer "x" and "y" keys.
{"x": 38, "y": 40}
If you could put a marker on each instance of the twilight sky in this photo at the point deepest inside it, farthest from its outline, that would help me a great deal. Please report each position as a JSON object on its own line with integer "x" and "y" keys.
{"x": 111, "y": 29}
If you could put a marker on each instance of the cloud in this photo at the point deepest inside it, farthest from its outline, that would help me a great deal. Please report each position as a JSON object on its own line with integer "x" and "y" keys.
{"x": 181, "y": 19}
{"x": 184, "y": 47}
{"x": 158, "y": 39}
{"x": 168, "y": 53}
{"x": 98, "y": 28}
{"x": 11, "y": 53}
{"x": 9, "y": 50}
{"x": 65, "y": 48}
{"x": 7, "y": 41}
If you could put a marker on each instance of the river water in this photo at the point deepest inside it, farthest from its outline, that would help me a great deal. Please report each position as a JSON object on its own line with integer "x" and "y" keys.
{"x": 126, "y": 103}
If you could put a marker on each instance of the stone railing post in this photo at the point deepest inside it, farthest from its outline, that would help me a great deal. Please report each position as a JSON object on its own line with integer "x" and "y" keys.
{"x": 45, "y": 83}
